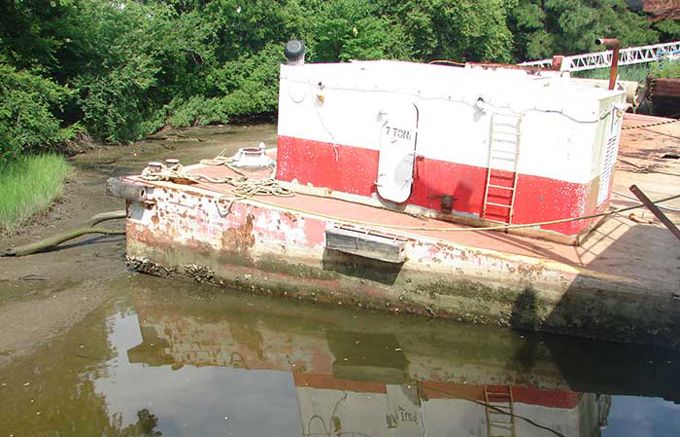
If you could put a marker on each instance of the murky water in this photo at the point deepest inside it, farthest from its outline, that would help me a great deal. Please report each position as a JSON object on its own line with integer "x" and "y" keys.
{"x": 165, "y": 357}
{"x": 177, "y": 359}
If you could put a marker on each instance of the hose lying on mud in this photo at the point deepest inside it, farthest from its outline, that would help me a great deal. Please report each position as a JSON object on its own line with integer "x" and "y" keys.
{"x": 54, "y": 241}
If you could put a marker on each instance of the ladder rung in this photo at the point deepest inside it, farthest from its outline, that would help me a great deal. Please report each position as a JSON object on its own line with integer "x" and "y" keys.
{"x": 498, "y": 204}
{"x": 502, "y": 175}
{"x": 504, "y": 140}
{"x": 507, "y": 124}
{"x": 504, "y": 118}
{"x": 503, "y": 158}
{"x": 501, "y": 423}
{"x": 502, "y": 188}
{"x": 504, "y": 393}
{"x": 504, "y": 132}
{"x": 505, "y": 155}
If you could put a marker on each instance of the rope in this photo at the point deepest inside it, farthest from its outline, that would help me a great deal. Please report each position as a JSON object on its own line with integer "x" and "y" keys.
{"x": 498, "y": 410}
{"x": 447, "y": 62}
{"x": 455, "y": 99}
{"x": 242, "y": 186}
{"x": 659, "y": 123}
{"x": 627, "y": 196}
{"x": 459, "y": 229}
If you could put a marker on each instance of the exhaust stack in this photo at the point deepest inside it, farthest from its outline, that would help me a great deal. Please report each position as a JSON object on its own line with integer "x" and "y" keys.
{"x": 611, "y": 43}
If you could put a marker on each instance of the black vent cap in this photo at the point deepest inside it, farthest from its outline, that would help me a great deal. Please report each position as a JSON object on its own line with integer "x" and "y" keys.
{"x": 295, "y": 49}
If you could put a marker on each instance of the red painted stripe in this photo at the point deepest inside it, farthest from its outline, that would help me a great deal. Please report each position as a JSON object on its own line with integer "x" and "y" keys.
{"x": 343, "y": 168}
{"x": 522, "y": 394}
{"x": 354, "y": 170}
{"x": 445, "y": 390}
{"x": 329, "y": 382}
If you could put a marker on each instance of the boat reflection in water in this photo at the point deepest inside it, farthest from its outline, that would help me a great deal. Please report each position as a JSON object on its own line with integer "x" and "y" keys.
{"x": 363, "y": 374}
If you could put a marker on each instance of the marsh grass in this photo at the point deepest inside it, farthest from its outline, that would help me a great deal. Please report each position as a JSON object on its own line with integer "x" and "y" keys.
{"x": 29, "y": 185}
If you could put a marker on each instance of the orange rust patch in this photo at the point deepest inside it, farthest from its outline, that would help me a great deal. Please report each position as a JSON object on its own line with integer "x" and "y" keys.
{"x": 525, "y": 268}
{"x": 239, "y": 239}
{"x": 155, "y": 219}
{"x": 290, "y": 216}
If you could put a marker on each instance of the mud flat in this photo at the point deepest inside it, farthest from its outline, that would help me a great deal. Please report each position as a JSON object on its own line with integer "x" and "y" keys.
{"x": 45, "y": 294}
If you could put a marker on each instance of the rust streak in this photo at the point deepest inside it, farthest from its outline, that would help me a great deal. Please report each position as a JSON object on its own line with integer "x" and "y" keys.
{"x": 239, "y": 239}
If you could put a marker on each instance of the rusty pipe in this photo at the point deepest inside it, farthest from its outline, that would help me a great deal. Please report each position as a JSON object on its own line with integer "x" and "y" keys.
{"x": 615, "y": 45}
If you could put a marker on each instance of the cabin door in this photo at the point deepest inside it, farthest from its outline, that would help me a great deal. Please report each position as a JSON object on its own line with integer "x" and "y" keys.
{"x": 397, "y": 142}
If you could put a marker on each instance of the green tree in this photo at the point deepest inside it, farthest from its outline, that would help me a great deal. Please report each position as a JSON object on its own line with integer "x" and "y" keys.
{"x": 546, "y": 27}
{"x": 356, "y": 29}
{"x": 123, "y": 69}
{"x": 29, "y": 110}
{"x": 462, "y": 30}
{"x": 669, "y": 30}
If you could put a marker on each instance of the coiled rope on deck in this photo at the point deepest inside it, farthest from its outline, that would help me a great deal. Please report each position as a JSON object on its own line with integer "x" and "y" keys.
{"x": 242, "y": 186}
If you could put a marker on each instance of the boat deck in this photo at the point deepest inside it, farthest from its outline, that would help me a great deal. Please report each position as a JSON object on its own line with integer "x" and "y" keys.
{"x": 634, "y": 246}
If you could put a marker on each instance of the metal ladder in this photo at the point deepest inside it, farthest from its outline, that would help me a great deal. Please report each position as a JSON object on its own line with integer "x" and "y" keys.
{"x": 500, "y": 418}
{"x": 504, "y": 139}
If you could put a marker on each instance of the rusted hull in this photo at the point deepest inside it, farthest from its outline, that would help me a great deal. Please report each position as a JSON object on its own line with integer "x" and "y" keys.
{"x": 665, "y": 95}
{"x": 259, "y": 248}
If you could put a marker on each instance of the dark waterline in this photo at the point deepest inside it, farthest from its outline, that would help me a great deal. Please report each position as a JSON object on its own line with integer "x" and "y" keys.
{"x": 185, "y": 360}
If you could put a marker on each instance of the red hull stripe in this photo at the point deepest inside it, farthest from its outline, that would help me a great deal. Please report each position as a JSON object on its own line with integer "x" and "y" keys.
{"x": 353, "y": 170}
{"x": 525, "y": 395}
{"x": 441, "y": 390}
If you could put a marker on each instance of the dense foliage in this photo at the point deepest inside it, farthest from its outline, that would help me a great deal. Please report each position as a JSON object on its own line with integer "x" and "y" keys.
{"x": 123, "y": 68}
{"x": 665, "y": 70}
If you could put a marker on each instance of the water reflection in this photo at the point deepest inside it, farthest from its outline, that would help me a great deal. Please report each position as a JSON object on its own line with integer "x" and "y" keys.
{"x": 172, "y": 360}
{"x": 296, "y": 370}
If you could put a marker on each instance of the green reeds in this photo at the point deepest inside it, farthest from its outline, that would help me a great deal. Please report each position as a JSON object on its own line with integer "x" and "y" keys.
{"x": 29, "y": 185}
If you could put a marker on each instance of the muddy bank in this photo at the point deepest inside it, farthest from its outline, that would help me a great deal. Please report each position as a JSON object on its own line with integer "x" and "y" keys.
{"x": 43, "y": 294}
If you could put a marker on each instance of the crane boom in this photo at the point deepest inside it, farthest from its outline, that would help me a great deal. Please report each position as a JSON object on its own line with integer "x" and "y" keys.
{"x": 628, "y": 56}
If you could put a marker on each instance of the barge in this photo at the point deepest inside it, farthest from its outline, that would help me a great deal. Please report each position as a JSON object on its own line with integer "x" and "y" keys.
{"x": 481, "y": 196}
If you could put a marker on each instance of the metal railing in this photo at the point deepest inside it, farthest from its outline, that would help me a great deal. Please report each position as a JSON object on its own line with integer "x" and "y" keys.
{"x": 628, "y": 56}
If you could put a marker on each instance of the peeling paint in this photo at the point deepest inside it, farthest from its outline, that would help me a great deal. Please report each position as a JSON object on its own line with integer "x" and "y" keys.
{"x": 260, "y": 249}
